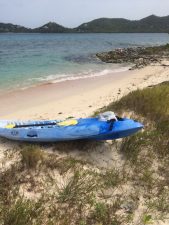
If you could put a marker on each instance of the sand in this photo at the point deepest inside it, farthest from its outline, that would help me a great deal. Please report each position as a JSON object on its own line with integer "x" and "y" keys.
{"x": 78, "y": 98}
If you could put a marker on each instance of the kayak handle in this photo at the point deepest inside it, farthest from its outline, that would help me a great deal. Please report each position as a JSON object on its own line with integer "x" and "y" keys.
{"x": 32, "y": 134}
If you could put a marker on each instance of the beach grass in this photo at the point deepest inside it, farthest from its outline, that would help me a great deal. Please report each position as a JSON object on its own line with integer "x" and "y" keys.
{"x": 21, "y": 212}
{"x": 54, "y": 187}
{"x": 31, "y": 155}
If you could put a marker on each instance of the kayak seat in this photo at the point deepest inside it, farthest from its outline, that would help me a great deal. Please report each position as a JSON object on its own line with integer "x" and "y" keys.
{"x": 68, "y": 122}
{"x": 10, "y": 126}
{"x": 119, "y": 118}
{"x": 111, "y": 122}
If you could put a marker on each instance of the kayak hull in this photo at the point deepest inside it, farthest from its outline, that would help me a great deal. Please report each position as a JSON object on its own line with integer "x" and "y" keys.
{"x": 87, "y": 129}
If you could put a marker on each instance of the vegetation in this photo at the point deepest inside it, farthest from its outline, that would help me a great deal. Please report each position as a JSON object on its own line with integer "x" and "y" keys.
{"x": 55, "y": 187}
{"x": 147, "y": 153}
{"x": 111, "y": 178}
{"x": 31, "y": 156}
{"x": 78, "y": 190}
{"x": 8, "y": 27}
{"x": 149, "y": 24}
{"x": 152, "y": 105}
{"x": 51, "y": 27}
{"x": 21, "y": 212}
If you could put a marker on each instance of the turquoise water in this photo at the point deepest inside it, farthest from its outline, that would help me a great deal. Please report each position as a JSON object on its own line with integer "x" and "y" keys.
{"x": 28, "y": 59}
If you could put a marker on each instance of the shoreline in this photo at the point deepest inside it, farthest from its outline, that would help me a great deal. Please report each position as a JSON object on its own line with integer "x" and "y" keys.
{"x": 79, "y": 97}
{"x": 53, "y": 79}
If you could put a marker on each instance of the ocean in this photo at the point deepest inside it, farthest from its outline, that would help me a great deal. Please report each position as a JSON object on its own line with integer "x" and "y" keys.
{"x": 31, "y": 59}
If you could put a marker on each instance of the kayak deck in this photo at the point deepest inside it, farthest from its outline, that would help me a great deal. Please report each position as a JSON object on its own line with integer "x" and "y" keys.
{"x": 72, "y": 129}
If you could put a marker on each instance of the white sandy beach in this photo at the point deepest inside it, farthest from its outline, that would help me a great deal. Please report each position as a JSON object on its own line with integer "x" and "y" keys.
{"x": 78, "y": 98}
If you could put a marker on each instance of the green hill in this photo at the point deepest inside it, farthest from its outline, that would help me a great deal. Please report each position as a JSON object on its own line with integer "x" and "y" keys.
{"x": 150, "y": 24}
{"x": 104, "y": 25}
{"x": 51, "y": 27}
{"x": 8, "y": 27}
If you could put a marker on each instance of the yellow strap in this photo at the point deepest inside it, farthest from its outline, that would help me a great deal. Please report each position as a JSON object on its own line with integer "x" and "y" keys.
{"x": 68, "y": 123}
{"x": 10, "y": 126}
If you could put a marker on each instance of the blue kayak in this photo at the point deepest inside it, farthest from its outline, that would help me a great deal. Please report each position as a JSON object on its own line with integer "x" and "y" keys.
{"x": 98, "y": 128}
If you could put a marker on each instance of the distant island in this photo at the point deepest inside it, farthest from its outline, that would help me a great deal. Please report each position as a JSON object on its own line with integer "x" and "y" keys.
{"x": 150, "y": 24}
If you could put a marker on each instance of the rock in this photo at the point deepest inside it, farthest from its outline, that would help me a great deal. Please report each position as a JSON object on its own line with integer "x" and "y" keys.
{"x": 128, "y": 206}
{"x": 27, "y": 177}
{"x": 107, "y": 193}
{"x": 139, "y": 61}
{"x": 140, "y": 56}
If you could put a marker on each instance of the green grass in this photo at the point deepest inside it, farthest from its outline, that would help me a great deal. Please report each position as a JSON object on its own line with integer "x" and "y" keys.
{"x": 156, "y": 50}
{"x": 31, "y": 155}
{"x": 79, "y": 189}
{"x": 112, "y": 178}
{"x": 131, "y": 146}
{"x": 105, "y": 214}
{"x": 147, "y": 219}
{"x": 9, "y": 181}
{"x": 21, "y": 212}
{"x": 151, "y": 103}
{"x": 14, "y": 209}
{"x": 161, "y": 202}
{"x": 63, "y": 165}
{"x": 142, "y": 150}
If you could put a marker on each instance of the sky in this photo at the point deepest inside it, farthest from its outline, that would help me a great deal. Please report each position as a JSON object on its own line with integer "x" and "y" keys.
{"x": 72, "y": 13}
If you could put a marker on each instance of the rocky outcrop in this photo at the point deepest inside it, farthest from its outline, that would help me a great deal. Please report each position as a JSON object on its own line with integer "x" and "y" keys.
{"x": 139, "y": 56}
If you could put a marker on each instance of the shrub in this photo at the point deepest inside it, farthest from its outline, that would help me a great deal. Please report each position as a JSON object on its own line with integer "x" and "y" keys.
{"x": 31, "y": 155}
{"x": 21, "y": 212}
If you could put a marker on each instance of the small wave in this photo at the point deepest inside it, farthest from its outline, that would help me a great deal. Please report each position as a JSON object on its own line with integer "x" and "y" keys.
{"x": 67, "y": 77}
{"x": 128, "y": 44}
